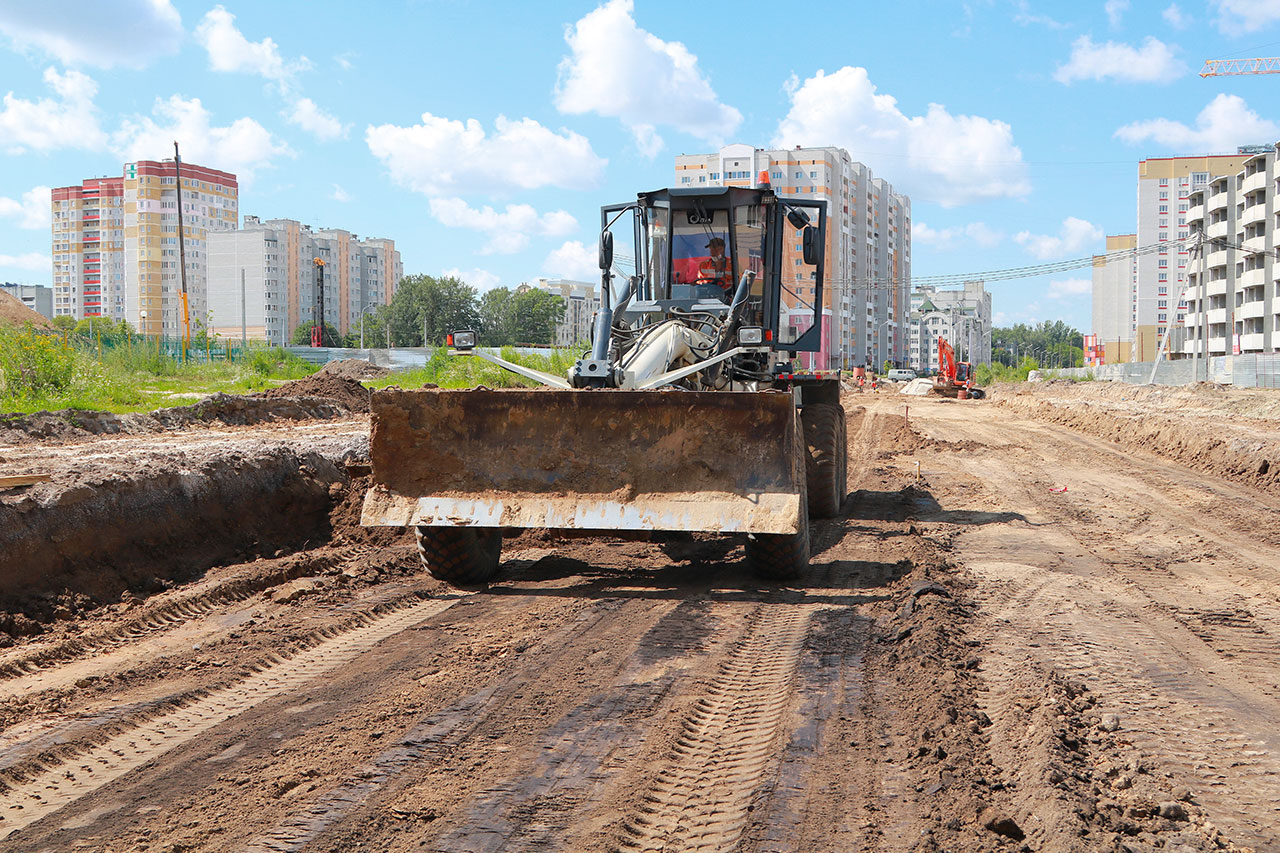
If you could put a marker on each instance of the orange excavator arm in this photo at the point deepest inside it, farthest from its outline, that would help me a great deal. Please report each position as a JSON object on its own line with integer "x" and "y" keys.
{"x": 946, "y": 360}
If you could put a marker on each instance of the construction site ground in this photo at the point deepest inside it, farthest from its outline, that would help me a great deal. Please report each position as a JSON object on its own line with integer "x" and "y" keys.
{"x": 1048, "y": 620}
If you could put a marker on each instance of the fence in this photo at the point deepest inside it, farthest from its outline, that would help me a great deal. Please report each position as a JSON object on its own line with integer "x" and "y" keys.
{"x": 1242, "y": 371}
{"x": 198, "y": 350}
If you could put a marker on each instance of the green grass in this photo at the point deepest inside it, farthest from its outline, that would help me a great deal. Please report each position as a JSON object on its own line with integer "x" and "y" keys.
{"x": 449, "y": 371}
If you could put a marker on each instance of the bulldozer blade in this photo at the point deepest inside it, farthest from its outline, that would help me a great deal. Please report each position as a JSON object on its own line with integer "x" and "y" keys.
{"x": 586, "y": 459}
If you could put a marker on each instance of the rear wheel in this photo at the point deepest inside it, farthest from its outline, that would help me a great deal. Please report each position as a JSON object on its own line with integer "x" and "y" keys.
{"x": 463, "y": 556}
{"x": 780, "y": 556}
{"x": 825, "y": 461}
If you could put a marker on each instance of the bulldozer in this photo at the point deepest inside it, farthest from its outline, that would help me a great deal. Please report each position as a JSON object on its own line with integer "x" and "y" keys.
{"x": 688, "y": 414}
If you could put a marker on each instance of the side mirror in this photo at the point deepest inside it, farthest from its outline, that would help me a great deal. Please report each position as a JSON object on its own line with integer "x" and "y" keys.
{"x": 812, "y": 250}
{"x": 606, "y": 250}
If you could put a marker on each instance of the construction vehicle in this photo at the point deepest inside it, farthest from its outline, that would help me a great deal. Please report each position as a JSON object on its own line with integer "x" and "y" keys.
{"x": 954, "y": 378}
{"x": 685, "y": 416}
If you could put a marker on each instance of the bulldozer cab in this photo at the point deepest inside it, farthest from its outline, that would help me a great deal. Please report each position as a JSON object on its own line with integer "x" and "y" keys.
{"x": 692, "y": 248}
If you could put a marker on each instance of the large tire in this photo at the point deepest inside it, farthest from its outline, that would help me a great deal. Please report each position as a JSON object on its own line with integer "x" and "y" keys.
{"x": 780, "y": 556}
{"x": 825, "y": 461}
{"x": 462, "y": 556}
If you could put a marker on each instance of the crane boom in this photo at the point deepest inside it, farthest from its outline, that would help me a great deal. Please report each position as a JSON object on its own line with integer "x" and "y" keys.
{"x": 1239, "y": 67}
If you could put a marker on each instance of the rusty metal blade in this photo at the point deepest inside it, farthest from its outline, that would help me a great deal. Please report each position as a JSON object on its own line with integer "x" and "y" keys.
{"x": 585, "y": 459}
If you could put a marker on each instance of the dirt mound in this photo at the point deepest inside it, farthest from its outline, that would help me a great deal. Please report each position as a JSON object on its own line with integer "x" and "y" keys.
{"x": 348, "y": 393}
{"x": 354, "y": 368}
{"x": 14, "y": 313}
{"x": 229, "y": 409}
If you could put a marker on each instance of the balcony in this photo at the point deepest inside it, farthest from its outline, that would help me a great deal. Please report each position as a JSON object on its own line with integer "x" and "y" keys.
{"x": 1216, "y": 315}
{"x": 1217, "y": 346}
{"x": 1214, "y": 288}
{"x": 1251, "y": 278}
{"x": 1254, "y": 213}
{"x": 1252, "y": 309}
{"x": 1217, "y": 229}
{"x": 1252, "y": 342}
{"x": 1256, "y": 181}
{"x": 1256, "y": 244}
{"x": 1195, "y": 212}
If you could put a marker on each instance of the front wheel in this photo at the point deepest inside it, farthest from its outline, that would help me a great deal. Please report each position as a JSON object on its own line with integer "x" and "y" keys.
{"x": 780, "y": 556}
{"x": 462, "y": 556}
{"x": 825, "y": 460}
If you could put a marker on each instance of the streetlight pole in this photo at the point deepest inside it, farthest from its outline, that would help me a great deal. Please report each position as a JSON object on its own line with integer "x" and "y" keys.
{"x": 878, "y": 328}
{"x": 364, "y": 312}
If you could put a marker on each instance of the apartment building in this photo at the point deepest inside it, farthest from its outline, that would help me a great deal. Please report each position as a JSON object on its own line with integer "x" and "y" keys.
{"x": 1164, "y": 188}
{"x": 961, "y": 316}
{"x": 1232, "y": 286}
{"x": 115, "y": 243}
{"x": 1115, "y": 276}
{"x": 581, "y": 302}
{"x": 263, "y": 282}
{"x": 868, "y": 252}
{"x": 37, "y": 297}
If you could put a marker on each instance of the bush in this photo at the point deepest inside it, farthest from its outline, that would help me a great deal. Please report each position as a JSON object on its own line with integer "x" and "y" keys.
{"x": 34, "y": 364}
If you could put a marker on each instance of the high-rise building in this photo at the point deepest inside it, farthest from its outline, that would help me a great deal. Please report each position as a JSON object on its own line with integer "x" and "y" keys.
{"x": 868, "y": 253}
{"x": 1164, "y": 187}
{"x": 115, "y": 243}
{"x": 962, "y": 317}
{"x": 1233, "y": 307}
{"x": 581, "y": 302}
{"x": 37, "y": 297}
{"x": 262, "y": 278}
{"x": 1114, "y": 282}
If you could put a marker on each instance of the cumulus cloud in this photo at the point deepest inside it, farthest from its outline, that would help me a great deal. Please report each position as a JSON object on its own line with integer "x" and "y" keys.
{"x": 951, "y": 159}
{"x": 573, "y": 260}
{"x": 1223, "y": 124}
{"x": 128, "y": 33}
{"x": 619, "y": 70}
{"x": 242, "y": 147}
{"x": 31, "y": 211}
{"x": 1154, "y": 62}
{"x": 973, "y": 234}
{"x": 320, "y": 124}
{"x": 479, "y": 279}
{"x": 1174, "y": 17}
{"x": 1070, "y": 288}
{"x": 229, "y": 50}
{"x": 1245, "y": 16}
{"x": 31, "y": 261}
{"x": 1074, "y": 237}
{"x": 442, "y": 156}
{"x": 68, "y": 121}
{"x": 508, "y": 230}
{"x": 1115, "y": 10}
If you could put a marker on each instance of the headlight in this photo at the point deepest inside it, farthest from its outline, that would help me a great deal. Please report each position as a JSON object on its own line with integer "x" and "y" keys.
{"x": 751, "y": 336}
{"x": 465, "y": 339}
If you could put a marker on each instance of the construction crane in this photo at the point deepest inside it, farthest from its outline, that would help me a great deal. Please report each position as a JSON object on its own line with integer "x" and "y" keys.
{"x": 1240, "y": 67}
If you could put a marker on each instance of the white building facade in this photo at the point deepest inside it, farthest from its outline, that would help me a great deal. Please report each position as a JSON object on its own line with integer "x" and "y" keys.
{"x": 581, "y": 302}
{"x": 961, "y": 316}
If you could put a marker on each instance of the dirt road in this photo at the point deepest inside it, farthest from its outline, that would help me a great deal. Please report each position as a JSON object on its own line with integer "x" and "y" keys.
{"x": 975, "y": 663}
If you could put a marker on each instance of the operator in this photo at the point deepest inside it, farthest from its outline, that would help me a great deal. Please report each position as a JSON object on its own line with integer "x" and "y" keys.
{"x": 716, "y": 269}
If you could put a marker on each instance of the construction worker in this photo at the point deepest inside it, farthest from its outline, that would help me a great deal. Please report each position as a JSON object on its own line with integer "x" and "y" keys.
{"x": 716, "y": 269}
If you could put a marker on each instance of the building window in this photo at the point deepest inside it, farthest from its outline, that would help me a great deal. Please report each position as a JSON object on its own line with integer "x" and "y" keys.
{"x": 1164, "y": 182}
{"x": 1164, "y": 196}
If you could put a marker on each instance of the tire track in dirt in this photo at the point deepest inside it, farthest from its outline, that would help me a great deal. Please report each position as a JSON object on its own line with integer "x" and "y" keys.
{"x": 73, "y": 777}
{"x": 700, "y": 800}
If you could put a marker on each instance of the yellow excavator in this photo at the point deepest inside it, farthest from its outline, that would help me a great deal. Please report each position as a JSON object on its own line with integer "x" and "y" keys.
{"x": 686, "y": 414}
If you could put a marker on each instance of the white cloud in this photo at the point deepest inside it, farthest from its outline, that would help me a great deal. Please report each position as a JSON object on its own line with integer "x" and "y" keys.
{"x": 1074, "y": 237}
{"x": 619, "y": 70}
{"x": 1223, "y": 124}
{"x": 1154, "y": 62}
{"x": 508, "y": 230}
{"x": 1025, "y": 17}
{"x": 1070, "y": 288}
{"x": 441, "y": 156}
{"x": 229, "y": 50}
{"x": 70, "y": 121}
{"x": 129, "y": 33}
{"x": 1246, "y": 16}
{"x": 573, "y": 260}
{"x": 343, "y": 60}
{"x": 975, "y": 234}
{"x": 1115, "y": 10}
{"x": 242, "y": 147}
{"x": 479, "y": 279}
{"x": 31, "y": 211}
{"x": 950, "y": 159}
{"x": 32, "y": 261}
{"x": 320, "y": 124}
{"x": 1174, "y": 17}
{"x": 339, "y": 194}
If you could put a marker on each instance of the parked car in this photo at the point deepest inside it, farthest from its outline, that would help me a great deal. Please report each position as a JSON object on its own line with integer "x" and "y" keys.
{"x": 901, "y": 374}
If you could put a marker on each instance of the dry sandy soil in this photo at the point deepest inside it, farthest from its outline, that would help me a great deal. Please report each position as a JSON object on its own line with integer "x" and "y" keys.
{"x": 1035, "y": 626}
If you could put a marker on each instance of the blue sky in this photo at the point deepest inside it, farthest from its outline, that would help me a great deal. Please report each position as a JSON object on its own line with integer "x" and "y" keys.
{"x": 483, "y": 137}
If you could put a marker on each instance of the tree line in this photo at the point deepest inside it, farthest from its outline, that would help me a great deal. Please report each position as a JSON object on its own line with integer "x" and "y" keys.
{"x": 1050, "y": 344}
{"x": 426, "y": 308}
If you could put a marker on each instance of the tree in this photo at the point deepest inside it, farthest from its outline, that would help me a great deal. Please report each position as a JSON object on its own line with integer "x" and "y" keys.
{"x": 1053, "y": 344}
{"x": 497, "y": 317}
{"x": 536, "y": 313}
{"x": 64, "y": 322}
{"x": 302, "y": 336}
{"x": 434, "y": 305}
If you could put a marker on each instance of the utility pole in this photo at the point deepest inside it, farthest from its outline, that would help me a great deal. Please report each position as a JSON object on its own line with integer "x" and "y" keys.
{"x": 317, "y": 329}
{"x": 244, "y": 329}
